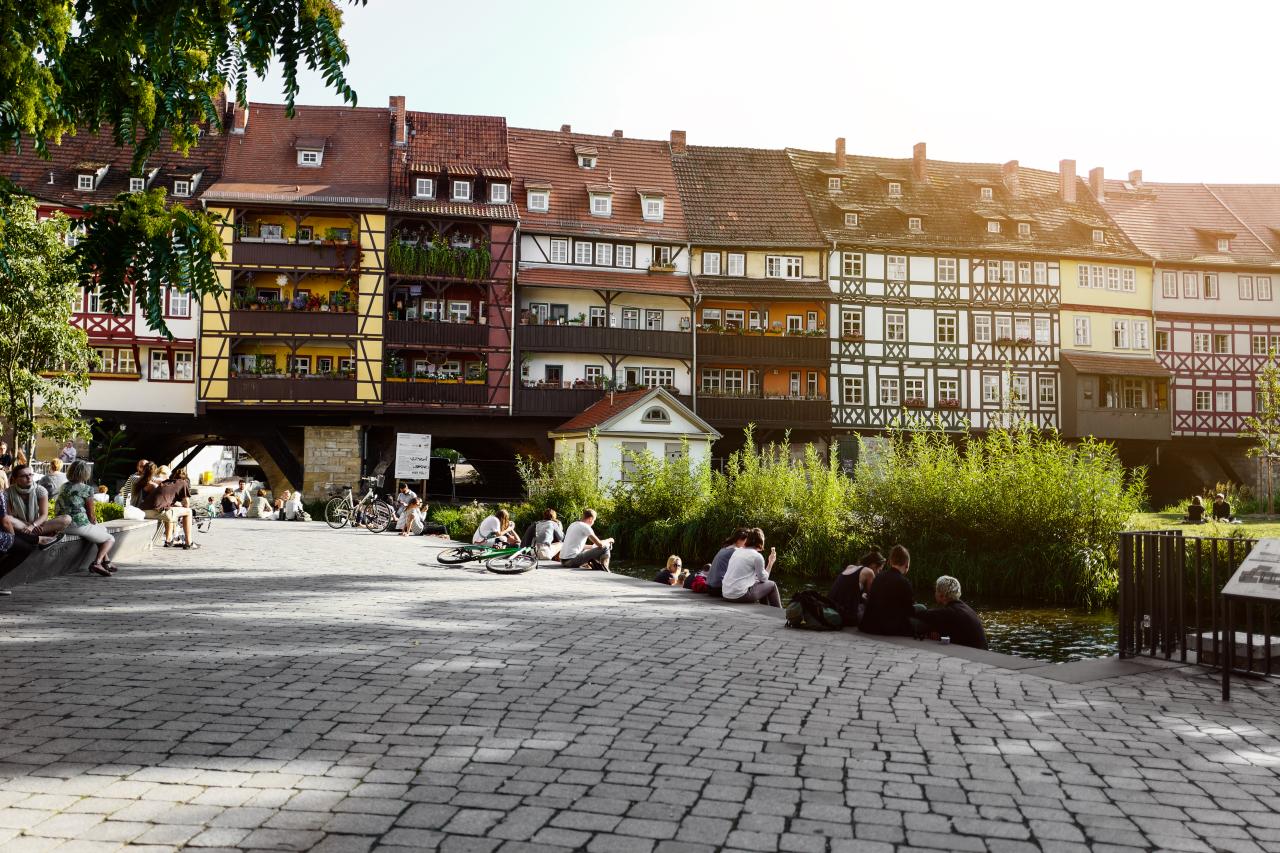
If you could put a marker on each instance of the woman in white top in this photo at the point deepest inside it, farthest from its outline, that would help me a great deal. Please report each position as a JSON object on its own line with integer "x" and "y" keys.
{"x": 496, "y": 528}
{"x": 746, "y": 580}
{"x": 413, "y": 519}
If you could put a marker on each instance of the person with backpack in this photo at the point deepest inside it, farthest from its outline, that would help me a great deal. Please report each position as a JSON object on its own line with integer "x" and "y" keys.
{"x": 746, "y": 580}
{"x": 891, "y": 608}
{"x": 850, "y": 587}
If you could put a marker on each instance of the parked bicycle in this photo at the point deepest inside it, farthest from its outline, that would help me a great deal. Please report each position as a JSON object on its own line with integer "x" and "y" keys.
{"x": 499, "y": 559}
{"x": 371, "y": 512}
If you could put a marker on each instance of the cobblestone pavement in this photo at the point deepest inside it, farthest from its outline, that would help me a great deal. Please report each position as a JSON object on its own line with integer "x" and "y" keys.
{"x": 289, "y": 687}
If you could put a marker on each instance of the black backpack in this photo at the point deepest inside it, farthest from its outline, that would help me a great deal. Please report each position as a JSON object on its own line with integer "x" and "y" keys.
{"x": 813, "y": 611}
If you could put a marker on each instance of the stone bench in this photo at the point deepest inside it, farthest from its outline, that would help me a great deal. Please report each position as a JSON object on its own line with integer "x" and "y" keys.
{"x": 72, "y": 554}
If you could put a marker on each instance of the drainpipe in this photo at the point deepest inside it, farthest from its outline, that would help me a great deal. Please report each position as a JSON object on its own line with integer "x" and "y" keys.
{"x": 513, "y": 368}
{"x": 693, "y": 330}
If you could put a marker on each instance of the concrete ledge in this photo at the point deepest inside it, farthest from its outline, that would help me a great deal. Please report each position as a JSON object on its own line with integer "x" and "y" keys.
{"x": 66, "y": 557}
{"x": 133, "y": 539}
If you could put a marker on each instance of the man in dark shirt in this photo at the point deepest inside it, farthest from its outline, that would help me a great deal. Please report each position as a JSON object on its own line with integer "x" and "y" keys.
{"x": 1221, "y": 509}
{"x": 720, "y": 563}
{"x": 890, "y": 603}
{"x": 953, "y": 618}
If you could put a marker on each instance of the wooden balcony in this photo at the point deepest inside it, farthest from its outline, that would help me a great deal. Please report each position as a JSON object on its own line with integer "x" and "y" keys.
{"x": 295, "y": 322}
{"x": 603, "y": 339}
{"x": 771, "y": 412}
{"x": 1142, "y": 424}
{"x": 432, "y": 333}
{"x": 555, "y": 402}
{"x": 749, "y": 348}
{"x": 288, "y": 389}
{"x": 434, "y": 393}
{"x": 295, "y": 255}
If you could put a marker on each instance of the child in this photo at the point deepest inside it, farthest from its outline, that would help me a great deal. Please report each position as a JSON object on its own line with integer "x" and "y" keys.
{"x": 211, "y": 508}
{"x": 102, "y": 496}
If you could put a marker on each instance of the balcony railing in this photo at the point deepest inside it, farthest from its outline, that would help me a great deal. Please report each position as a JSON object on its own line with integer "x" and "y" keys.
{"x": 295, "y": 322}
{"x": 436, "y": 334}
{"x": 774, "y": 412}
{"x": 319, "y": 388}
{"x": 456, "y": 393}
{"x": 1145, "y": 424}
{"x": 341, "y": 256}
{"x": 752, "y": 347}
{"x": 603, "y": 339}
{"x": 557, "y": 402}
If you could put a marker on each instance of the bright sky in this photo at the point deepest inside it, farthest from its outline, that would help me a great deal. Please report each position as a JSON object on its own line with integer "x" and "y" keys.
{"x": 1182, "y": 91}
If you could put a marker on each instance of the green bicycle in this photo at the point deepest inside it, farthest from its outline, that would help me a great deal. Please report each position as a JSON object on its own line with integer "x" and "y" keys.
{"x": 499, "y": 559}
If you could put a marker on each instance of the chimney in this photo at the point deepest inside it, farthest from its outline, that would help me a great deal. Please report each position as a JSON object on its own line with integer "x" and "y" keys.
{"x": 617, "y": 134}
{"x": 1098, "y": 185}
{"x": 1135, "y": 177}
{"x": 239, "y": 117}
{"x": 564, "y": 128}
{"x": 1067, "y": 180}
{"x": 1009, "y": 173}
{"x": 399, "y": 132}
{"x": 840, "y": 157}
{"x": 678, "y": 145}
{"x": 918, "y": 162}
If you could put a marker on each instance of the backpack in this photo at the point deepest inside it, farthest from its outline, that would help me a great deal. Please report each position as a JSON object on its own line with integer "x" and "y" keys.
{"x": 813, "y": 611}
{"x": 699, "y": 583}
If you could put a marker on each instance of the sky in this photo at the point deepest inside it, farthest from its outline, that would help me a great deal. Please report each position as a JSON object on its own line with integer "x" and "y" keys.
{"x": 1183, "y": 91}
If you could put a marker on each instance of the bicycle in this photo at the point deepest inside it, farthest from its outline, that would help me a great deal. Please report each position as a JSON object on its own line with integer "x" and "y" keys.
{"x": 371, "y": 512}
{"x": 499, "y": 559}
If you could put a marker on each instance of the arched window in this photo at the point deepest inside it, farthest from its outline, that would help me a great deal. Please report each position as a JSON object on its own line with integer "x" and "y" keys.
{"x": 656, "y": 415}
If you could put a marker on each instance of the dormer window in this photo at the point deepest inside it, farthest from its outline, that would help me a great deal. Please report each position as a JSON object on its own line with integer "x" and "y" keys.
{"x": 601, "y": 204}
{"x": 987, "y": 193}
{"x": 586, "y": 161}
{"x": 895, "y": 188}
{"x": 499, "y": 193}
{"x": 310, "y": 157}
{"x": 84, "y": 182}
{"x": 539, "y": 201}
{"x": 182, "y": 189}
{"x": 1024, "y": 229}
{"x": 993, "y": 227}
{"x": 653, "y": 206}
{"x": 424, "y": 188}
{"x": 914, "y": 224}
{"x": 461, "y": 191}
{"x": 833, "y": 184}
{"x": 656, "y": 415}
{"x": 137, "y": 185}
{"x": 851, "y": 220}
{"x": 1099, "y": 236}
{"x": 1224, "y": 244}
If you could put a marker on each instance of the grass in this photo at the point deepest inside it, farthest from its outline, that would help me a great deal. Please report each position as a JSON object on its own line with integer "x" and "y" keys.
{"x": 1253, "y": 527}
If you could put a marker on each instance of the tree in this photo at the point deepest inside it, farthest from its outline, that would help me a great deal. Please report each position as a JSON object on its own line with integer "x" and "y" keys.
{"x": 1264, "y": 427}
{"x": 103, "y": 63}
{"x": 44, "y": 360}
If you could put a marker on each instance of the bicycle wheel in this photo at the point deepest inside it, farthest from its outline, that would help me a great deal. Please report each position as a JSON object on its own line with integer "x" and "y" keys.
{"x": 454, "y": 556}
{"x": 379, "y": 517}
{"x": 337, "y": 513}
{"x": 512, "y": 564}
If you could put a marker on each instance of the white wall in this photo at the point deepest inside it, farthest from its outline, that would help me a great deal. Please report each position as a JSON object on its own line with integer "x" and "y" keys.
{"x": 581, "y": 301}
{"x": 1228, "y": 302}
{"x": 574, "y": 364}
{"x": 111, "y": 395}
{"x": 536, "y": 249}
{"x": 611, "y": 451}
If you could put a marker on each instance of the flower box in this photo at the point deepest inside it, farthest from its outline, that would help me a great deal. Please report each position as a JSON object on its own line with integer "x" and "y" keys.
{"x": 853, "y": 339}
{"x": 1025, "y": 342}
{"x": 948, "y": 404}
{"x": 913, "y": 403}
{"x": 1004, "y": 342}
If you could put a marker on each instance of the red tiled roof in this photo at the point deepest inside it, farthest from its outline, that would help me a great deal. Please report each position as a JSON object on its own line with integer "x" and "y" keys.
{"x": 744, "y": 197}
{"x": 624, "y": 165}
{"x": 54, "y": 180}
{"x": 666, "y": 284}
{"x": 603, "y": 410}
{"x": 444, "y": 145}
{"x": 1115, "y": 365}
{"x": 810, "y": 289}
{"x": 262, "y": 164}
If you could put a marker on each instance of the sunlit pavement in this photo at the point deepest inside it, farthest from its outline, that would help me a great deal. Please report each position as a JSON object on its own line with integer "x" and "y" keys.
{"x": 291, "y": 687}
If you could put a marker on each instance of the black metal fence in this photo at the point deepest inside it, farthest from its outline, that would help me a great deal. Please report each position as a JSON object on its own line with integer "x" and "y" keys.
{"x": 1171, "y": 604}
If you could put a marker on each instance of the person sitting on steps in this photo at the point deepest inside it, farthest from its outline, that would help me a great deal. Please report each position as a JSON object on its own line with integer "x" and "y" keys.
{"x": 746, "y": 581}
{"x": 953, "y": 618}
{"x": 891, "y": 609}
{"x": 574, "y": 552}
{"x": 76, "y": 500}
{"x": 720, "y": 562}
{"x": 850, "y": 587}
{"x": 29, "y": 505}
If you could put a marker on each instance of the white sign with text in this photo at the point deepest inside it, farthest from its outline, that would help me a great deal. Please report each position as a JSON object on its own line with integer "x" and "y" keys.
{"x": 413, "y": 456}
{"x": 1259, "y": 574}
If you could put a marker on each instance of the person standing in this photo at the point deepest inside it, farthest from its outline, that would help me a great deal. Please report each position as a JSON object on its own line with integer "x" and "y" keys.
{"x": 720, "y": 562}
{"x": 890, "y": 607}
{"x": 952, "y": 617}
{"x": 574, "y": 551}
{"x": 76, "y": 500}
{"x": 746, "y": 581}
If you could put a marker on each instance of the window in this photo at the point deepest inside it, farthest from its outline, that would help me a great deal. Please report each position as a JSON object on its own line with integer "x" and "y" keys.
{"x": 1099, "y": 236}
{"x": 624, "y": 256}
{"x": 539, "y": 201}
{"x": 1082, "y": 275}
{"x": 1004, "y": 329}
{"x": 653, "y": 319}
{"x": 1129, "y": 281}
{"x": 324, "y": 364}
{"x": 1095, "y": 277}
{"x": 1190, "y": 285}
{"x": 737, "y": 264}
{"x": 601, "y": 204}
{"x": 982, "y": 330}
{"x": 461, "y": 191}
{"x": 733, "y": 380}
{"x": 710, "y": 379}
{"x": 271, "y": 231}
{"x": 889, "y": 395}
{"x": 1245, "y": 283}
{"x": 662, "y": 256}
{"x": 783, "y": 266}
{"x": 851, "y": 323}
{"x": 656, "y": 415}
{"x": 1204, "y": 401}
{"x": 1019, "y": 388}
{"x": 593, "y": 374}
{"x": 986, "y": 193}
{"x": 658, "y": 377}
{"x": 1134, "y": 393}
{"x": 946, "y": 329}
{"x": 1201, "y": 342}
{"x": 630, "y": 451}
{"x": 990, "y": 388}
{"x": 795, "y": 323}
{"x": 499, "y": 193}
{"x": 913, "y": 389}
{"x": 586, "y": 160}
{"x": 309, "y": 158}
{"x": 895, "y": 188}
{"x": 851, "y": 264}
{"x": 1084, "y": 332}
{"x": 993, "y": 226}
{"x": 1040, "y": 272}
{"x": 583, "y": 252}
{"x": 1169, "y": 285}
{"x": 811, "y": 321}
{"x": 1042, "y": 330}
{"x": 1022, "y": 328}
{"x": 1141, "y": 334}
{"x": 1222, "y": 401}
{"x": 182, "y": 189}
{"x": 914, "y": 223}
{"x": 753, "y": 320}
{"x": 1113, "y": 278}
{"x": 459, "y": 311}
{"x": 1222, "y": 344}
{"x": 559, "y": 253}
{"x": 303, "y": 234}
{"x": 1024, "y": 229}
{"x": 630, "y": 318}
{"x": 1007, "y": 271}
{"x": 1162, "y": 341}
{"x": 1024, "y": 272}
{"x": 84, "y": 182}
{"x": 597, "y": 317}
{"x": 711, "y": 316}
{"x": 553, "y": 374}
{"x": 125, "y": 362}
{"x": 424, "y": 188}
{"x": 137, "y": 185}
{"x": 833, "y": 183}
{"x": 993, "y": 272}
{"x": 159, "y": 365}
{"x": 949, "y": 390}
{"x": 853, "y": 390}
{"x": 895, "y": 327}
{"x": 896, "y": 266}
{"x": 711, "y": 263}
{"x": 1264, "y": 288}
{"x": 653, "y": 208}
{"x": 1047, "y": 391}
{"x": 947, "y": 270}
{"x": 93, "y": 301}
{"x": 106, "y": 359}
{"x": 1224, "y": 245}
{"x": 734, "y": 318}
{"x": 604, "y": 254}
{"x": 1120, "y": 334}
{"x": 179, "y": 303}
{"x": 851, "y": 220}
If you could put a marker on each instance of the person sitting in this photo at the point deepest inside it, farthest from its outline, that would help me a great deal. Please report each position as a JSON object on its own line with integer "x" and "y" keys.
{"x": 130, "y": 493}
{"x": 850, "y": 587}
{"x": 720, "y": 562}
{"x": 1195, "y": 512}
{"x": 76, "y": 501}
{"x": 496, "y": 529}
{"x": 953, "y": 618}
{"x": 672, "y": 574}
{"x": 891, "y": 607}
{"x": 170, "y": 501}
{"x": 55, "y": 479}
{"x": 747, "y": 578}
{"x": 259, "y": 506}
{"x": 102, "y": 496}
{"x": 403, "y": 496}
{"x": 67, "y": 454}
{"x": 574, "y": 552}
{"x": 413, "y": 519}
{"x": 277, "y": 509}
{"x": 29, "y": 505}
{"x": 545, "y": 536}
{"x": 293, "y": 510}
{"x": 15, "y": 545}
{"x": 1222, "y": 509}
{"x": 230, "y": 506}
{"x": 242, "y": 499}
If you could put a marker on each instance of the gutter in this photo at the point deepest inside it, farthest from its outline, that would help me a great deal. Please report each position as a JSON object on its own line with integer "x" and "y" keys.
{"x": 693, "y": 330}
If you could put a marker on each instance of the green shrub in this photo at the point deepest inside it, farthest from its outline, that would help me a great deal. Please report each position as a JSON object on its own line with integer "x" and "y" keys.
{"x": 460, "y": 521}
{"x": 566, "y": 484}
{"x": 108, "y": 512}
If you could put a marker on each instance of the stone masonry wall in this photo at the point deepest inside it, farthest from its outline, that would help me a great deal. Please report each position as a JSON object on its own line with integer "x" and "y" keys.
{"x": 331, "y": 455}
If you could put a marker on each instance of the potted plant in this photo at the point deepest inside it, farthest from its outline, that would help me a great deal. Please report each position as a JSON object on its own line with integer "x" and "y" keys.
{"x": 1025, "y": 342}
{"x": 948, "y": 404}
{"x": 913, "y": 403}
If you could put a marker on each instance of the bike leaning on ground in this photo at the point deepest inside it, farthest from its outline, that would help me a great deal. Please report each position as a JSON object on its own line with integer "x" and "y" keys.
{"x": 499, "y": 559}
{"x": 371, "y": 512}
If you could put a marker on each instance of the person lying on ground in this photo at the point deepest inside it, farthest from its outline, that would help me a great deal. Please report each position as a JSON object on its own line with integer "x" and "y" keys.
{"x": 891, "y": 607}
{"x": 574, "y": 551}
{"x": 673, "y": 573}
{"x": 953, "y": 618}
{"x": 29, "y": 505}
{"x": 850, "y": 587}
{"x": 76, "y": 501}
{"x": 1195, "y": 512}
{"x": 496, "y": 529}
{"x": 413, "y": 519}
{"x": 746, "y": 581}
{"x": 720, "y": 562}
